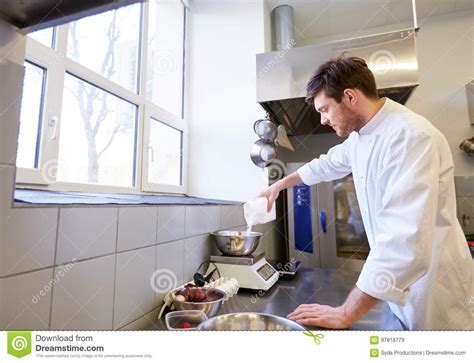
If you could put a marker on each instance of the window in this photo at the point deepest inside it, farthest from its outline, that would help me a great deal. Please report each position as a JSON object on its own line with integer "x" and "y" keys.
{"x": 104, "y": 100}
{"x": 165, "y": 145}
{"x": 97, "y": 139}
{"x": 165, "y": 56}
{"x": 31, "y": 116}
{"x": 108, "y": 44}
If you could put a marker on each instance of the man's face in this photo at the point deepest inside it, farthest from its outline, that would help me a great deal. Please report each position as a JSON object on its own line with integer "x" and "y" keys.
{"x": 340, "y": 116}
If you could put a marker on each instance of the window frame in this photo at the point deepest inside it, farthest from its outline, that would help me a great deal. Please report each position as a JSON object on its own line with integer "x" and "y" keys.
{"x": 153, "y": 112}
{"x": 56, "y": 64}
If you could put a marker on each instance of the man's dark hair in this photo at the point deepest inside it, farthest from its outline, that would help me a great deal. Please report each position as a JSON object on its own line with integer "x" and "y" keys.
{"x": 338, "y": 74}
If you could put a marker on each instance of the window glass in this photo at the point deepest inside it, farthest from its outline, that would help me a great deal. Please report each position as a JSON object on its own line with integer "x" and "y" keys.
{"x": 108, "y": 44}
{"x": 164, "y": 154}
{"x": 165, "y": 55}
{"x": 45, "y": 36}
{"x": 98, "y": 136}
{"x": 31, "y": 115}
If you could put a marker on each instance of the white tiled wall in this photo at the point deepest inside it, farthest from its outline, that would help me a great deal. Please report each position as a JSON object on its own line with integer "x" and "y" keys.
{"x": 232, "y": 216}
{"x": 94, "y": 266}
{"x": 86, "y": 233}
{"x": 201, "y": 219}
{"x": 134, "y": 295}
{"x": 26, "y": 301}
{"x": 170, "y": 223}
{"x": 169, "y": 267}
{"x": 29, "y": 238}
{"x": 10, "y": 104}
{"x": 83, "y": 297}
{"x": 196, "y": 250}
{"x": 137, "y": 227}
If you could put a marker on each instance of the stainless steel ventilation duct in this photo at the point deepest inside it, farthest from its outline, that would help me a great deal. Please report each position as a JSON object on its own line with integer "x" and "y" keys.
{"x": 282, "y": 75}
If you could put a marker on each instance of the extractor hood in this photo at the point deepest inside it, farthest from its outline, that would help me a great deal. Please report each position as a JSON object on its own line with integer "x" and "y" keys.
{"x": 282, "y": 75}
{"x": 32, "y": 15}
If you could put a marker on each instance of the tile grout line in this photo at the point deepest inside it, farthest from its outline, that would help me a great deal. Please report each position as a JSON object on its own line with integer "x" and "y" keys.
{"x": 104, "y": 255}
{"x": 115, "y": 267}
{"x": 156, "y": 252}
{"x": 183, "y": 257}
{"x": 54, "y": 268}
{"x": 140, "y": 317}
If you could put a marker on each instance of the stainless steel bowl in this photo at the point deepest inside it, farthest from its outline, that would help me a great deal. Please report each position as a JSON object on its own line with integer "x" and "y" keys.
{"x": 249, "y": 321}
{"x": 236, "y": 243}
{"x": 210, "y": 308}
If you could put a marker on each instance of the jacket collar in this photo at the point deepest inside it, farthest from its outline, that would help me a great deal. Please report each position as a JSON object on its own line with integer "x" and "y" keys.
{"x": 372, "y": 127}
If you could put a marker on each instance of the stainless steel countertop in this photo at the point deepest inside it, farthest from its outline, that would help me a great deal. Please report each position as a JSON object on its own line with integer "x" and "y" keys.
{"x": 310, "y": 285}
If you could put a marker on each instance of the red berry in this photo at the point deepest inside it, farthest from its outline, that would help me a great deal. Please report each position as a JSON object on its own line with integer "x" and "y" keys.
{"x": 185, "y": 326}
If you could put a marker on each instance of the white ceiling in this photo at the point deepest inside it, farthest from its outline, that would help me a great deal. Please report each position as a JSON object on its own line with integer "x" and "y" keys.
{"x": 321, "y": 18}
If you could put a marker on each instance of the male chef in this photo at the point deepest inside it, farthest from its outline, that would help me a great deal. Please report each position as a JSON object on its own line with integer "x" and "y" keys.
{"x": 419, "y": 261}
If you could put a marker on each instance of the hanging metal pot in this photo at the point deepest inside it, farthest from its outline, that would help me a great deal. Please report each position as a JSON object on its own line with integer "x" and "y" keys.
{"x": 262, "y": 153}
{"x": 266, "y": 130}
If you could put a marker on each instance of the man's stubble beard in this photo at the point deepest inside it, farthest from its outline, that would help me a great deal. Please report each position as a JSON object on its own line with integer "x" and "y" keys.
{"x": 351, "y": 121}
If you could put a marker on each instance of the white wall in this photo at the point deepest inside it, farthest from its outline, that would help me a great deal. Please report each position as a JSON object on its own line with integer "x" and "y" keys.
{"x": 445, "y": 55}
{"x": 445, "y": 59}
{"x": 12, "y": 44}
{"x": 224, "y": 38}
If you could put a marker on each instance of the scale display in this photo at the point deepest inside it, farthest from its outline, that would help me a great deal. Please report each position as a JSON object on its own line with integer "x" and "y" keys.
{"x": 266, "y": 271}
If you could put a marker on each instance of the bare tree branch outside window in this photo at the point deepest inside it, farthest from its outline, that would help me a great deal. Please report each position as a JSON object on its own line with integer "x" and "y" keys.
{"x": 88, "y": 97}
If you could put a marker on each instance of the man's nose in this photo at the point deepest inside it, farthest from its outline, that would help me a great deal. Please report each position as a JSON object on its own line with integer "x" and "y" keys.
{"x": 324, "y": 121}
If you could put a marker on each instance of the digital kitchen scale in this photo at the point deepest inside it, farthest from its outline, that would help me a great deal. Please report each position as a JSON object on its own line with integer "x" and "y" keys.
{"x": 252, "y": 272}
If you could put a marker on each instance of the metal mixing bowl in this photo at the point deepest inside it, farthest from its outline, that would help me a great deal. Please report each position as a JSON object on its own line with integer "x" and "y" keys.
{"x": 249, "y": 321}
{"x": 237, "y": 243}
{"x": 210, "y": 308}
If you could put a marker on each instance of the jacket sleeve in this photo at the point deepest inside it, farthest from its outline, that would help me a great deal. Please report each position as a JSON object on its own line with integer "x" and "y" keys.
{"x": 331, "y": 166}
{"x": 405, "y": 219}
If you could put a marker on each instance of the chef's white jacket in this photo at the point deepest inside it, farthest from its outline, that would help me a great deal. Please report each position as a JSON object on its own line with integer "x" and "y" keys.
{"x": 419, "y": 261}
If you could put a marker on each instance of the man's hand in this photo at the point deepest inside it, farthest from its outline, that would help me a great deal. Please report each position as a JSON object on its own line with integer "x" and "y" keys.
{"x": 357, "y": 304}
{"x": 321, "y": 315}
{"x": 271, "y": 193}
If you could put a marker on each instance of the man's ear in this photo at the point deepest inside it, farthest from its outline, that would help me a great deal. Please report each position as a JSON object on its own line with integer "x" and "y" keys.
{"x": 351, "y": 96}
